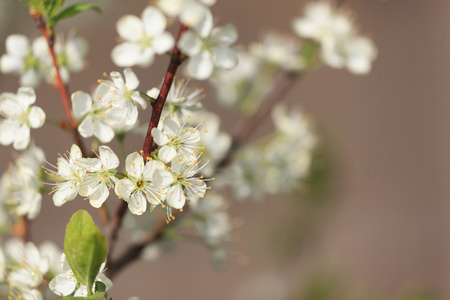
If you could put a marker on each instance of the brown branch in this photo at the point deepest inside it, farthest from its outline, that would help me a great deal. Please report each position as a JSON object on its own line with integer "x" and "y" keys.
{"x": 40, "y": 23}
{"x": 134, "y": 251}
{"x": 176, "y": 60}
{"x": 21, "y": 229}
{"x": 283, "y": 81}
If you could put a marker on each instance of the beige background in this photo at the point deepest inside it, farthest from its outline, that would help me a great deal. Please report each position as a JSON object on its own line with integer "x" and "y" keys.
{"x": 387, "y": 229}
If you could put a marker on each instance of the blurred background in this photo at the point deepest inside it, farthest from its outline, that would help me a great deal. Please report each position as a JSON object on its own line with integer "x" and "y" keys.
{"x": 378, "y": 230}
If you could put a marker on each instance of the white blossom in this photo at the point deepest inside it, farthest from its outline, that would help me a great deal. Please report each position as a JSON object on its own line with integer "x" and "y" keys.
{"x": 211, "y": 219}
{"x": 190, "y": 12}
{"x": 19, "y": 116}
{"x": 95, "y": 114}
{"x": 208, "y": 47}
{"x": 181, "y": 101}
{"x": 99, "y": 175}
{"x": 25, "y": 263}
{"x": 142, "y": 38}
{"x": 341, "y": 46}
{"x": 175, "y": 138}
{"x": 123, "y": 97}
{"x": 145, "y": 182}
{"x": 65, "y": 283}
{"x": 233, "y": 86}
{"x": 70, "y": 54}
{"x": 213, "y": 142}
{"x": 22, "y": 184}
{"x": 279, "y": 50}
{"x": 186, "y": 186}
{"x": 23, "y": 59}
{"x": 68, "y": 177}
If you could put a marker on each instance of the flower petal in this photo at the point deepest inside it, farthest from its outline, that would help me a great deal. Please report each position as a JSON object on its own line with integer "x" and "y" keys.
{"x": 163, "y": 43}
{"x": 36, "y": 117}
{"x": 201, "y": 66}
{"x": 126, "y": 54}
{"x": 224, "y": 58}
{"x": 130, "y": 28}
{"x": 81, "y": 104}
{"x": 175, "y": 197}
{"x": 154, "y": 21}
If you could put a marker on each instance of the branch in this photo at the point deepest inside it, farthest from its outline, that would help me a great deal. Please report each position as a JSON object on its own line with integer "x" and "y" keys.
{"x": 283, "y": 81}
{"x": 176, "y": 60}
{"x": 40, "y": 23}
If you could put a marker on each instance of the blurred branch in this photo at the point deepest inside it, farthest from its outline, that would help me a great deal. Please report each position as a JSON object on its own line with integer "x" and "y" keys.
{"x": 40, "y": 23}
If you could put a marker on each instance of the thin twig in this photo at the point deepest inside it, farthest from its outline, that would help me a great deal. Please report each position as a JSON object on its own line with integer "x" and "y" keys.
{"x": 40, "y": 23}
{"x": 176, "y": 59}
{"x": 282, "y": 83}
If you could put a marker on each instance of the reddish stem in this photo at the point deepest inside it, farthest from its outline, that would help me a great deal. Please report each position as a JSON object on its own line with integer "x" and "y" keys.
{"x": 176, "y": 59}
{"x": 59, "y": 82}
{"x": 158, "y": 105}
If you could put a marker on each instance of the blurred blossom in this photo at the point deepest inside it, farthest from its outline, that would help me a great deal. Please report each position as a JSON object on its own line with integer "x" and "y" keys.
{"x": 24, "y": 59}
{"x": 143, "y": 38}
{"x": 341, "y": 46}
{"x": 19, "y": 116}
{"x": 181, "y": 100}
{"x": 208, "y": 47}
{"x": 277, "y": 163}
{"x": 213, "y": 142}
{"x": 21, "y": 186}
{"x": 190, "y": 12}
{"x": 233, "y": 86}
{"x": 280, "y": 50}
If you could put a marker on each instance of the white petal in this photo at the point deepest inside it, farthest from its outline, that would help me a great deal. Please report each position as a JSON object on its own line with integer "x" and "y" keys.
{"x": 154, "y": 21}
{"x": 117, "y": 78}
{"x": 99, "y": 196}
{"x": 22, "y": 138}
{"x": 150, "y": 167}
{"x": 17, "y": 44}
{"x": 26, "y": 96}
{"x": 103, "y": 132}
{"x": 137, "y": 203}
{"x": 8, "y": 131}
{"x": 63, "y": 284}
{"x": 130, "y": 28}
{"x": 75, "y": 152}
{"x": 131, "y": 80}
{"x": 123, "y": 188}
{"x": 225, "y": 36}
{"x": 206, "y": 24}
{"x": 167, "y": 153}
{"x": 108, "y": 157}
{"x": 224, "y": 58}
{"x": 162, "y": 178}
{"x": 193, "y": 14}
{"x": 159, "y": 137}
{"x": 163, "y": 43}
{"x": 36, "y": 117}
{"x": 30, "y": 78}
{"x": 10, "y": 63}
{"x": 201, "y": 66}
{"x": 86, "y": 128}
{"x": 175, "y": 197}
{"x": 136, "y": 97}
{"x": 190, "y": 44}
{"x": 171, "y": 7}
{"x": 81, "y": 104}
{"x": 134, "y": 164}
{"x": 126, "y": 54}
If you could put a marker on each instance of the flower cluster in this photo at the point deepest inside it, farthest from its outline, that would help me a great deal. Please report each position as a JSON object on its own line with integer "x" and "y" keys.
{"x": 33, "y": 62}
{"x": 23, "y": 266}
{"x": 276, "y": 165}
{"x": 65, "y": 283}
{"x": 21, "y": 186}
{"x": 19, "y": 117}
{"x": 146, "y": 181}
{"x": 340, "y": 44}
{"x": 112, "y": 108}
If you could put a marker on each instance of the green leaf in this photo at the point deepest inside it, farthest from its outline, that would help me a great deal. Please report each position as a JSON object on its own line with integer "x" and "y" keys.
{"x": 92, "y": 297}
{"x": 85, "y": 248}
{"x": 74, "y": 10}
{"x": 53, "y": 7}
